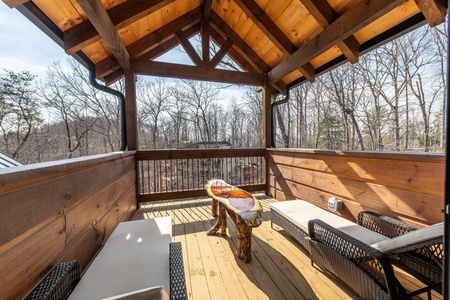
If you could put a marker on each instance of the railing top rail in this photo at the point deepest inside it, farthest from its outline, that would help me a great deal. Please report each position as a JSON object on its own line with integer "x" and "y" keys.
{"x": 198, "y": 153}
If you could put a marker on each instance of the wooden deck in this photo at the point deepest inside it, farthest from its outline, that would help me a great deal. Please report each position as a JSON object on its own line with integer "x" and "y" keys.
{"x": 280, "y": 268}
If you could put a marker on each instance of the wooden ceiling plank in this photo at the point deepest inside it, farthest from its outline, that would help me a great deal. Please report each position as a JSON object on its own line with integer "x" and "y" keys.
{"x": 190, "y": 51}
{"x": 205, "y": 40}
{"x": 266, "y": 25}
{"x": 14, "y": 3}
{"x": 207, "y": 5}
{"x": 433, "y": 10}
{"x": 221, "y": 53}
{"x": 169, "y": 44}
{"x": 85, "y": 34}
{"x": 362, "y": 14}
{"x": 324, "y": 14}
{"x": 153, "y": 68}
{"x": 98, "y": 16}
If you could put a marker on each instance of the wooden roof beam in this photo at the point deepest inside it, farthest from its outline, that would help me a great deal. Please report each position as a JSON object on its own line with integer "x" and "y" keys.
{"x": 235, "y": 55}
{"x": 14, "y": 3}
{"x": 169, "y": 44}
{"x": 154, "y": 68}
{"x": 98, "y": 16}
{"x": 207, "y": 5}
{"x": 150, "y": 41}
{"x": 324, "y": 14}
{"x": 190, "y": 51}
{"x": 433, "y": 10}
{"x": 273, "y": 32}
{"x": 85, "y": 34}
{"x": 205, "y": 40}
{"x": 266, "y": 25}
{"x": 362, "y": 14}
{"x": 221, "y": 53}
{"x": 243, "y": 48}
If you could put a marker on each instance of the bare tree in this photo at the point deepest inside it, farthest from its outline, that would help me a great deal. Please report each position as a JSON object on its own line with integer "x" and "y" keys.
{"x": 19, "y": 111}
{"x": 154, "y": 98}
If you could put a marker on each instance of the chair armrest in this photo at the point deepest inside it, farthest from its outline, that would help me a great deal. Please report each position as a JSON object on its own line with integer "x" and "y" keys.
{"x": 371, "y": 261}
{"x": 384, "y": 225}
{"x": 177, "y": 279}
{"x": 59, "y": 283}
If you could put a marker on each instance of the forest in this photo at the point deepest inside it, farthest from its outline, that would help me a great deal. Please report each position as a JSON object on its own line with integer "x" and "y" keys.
{"x": 393, "y": 99}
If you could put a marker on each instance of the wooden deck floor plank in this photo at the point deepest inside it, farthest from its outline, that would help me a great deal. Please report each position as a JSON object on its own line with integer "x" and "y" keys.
{"x": 216, "y": 284}
{"x": 239, "y": 271}
{"x": 199, "y": 285}
{"x": 280, "y": 268}
{"x": 222, "y": 251}
{"x": 243, "y": 272}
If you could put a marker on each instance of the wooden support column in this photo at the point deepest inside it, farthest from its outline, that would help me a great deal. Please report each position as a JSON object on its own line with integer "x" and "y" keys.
{"x": 266, "y": 127}
{"x": 130, "y": 100}
{"x": 267, "y": 114}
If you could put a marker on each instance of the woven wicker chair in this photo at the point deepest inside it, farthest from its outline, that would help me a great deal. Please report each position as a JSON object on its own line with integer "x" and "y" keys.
{"x": 59, "y": 283}
{"x": 368, "y": 269}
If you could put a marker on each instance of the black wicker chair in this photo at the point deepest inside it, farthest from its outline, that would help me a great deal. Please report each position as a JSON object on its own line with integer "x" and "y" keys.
{"x": 59, "y": 283}
{"x": 369, "y": 271}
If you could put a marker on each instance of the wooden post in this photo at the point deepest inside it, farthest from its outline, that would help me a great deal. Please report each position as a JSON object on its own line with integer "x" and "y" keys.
{"x": 267, "y": 126}
{"x": 130, "y": 99}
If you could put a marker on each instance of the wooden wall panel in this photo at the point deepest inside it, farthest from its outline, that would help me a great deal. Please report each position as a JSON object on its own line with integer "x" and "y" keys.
{"x": 407, "y": 186}
{"x": 63, "y": 217}
{"x": 50, "y": 198}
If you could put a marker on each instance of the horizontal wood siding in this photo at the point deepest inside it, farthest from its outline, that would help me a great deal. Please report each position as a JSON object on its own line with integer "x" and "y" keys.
{"x": 408, "y": 186}
{"x": 60, "y": 211}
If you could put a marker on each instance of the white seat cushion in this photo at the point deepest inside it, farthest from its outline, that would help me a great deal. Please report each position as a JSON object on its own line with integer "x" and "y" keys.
{"x": 135, "y": 257}
{"x": 413, "y": 237}
{"x": 300, "y": 212}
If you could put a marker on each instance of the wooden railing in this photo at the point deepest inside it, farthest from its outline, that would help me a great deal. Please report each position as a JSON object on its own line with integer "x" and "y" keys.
{"x": 172, "y": 174}
{"x": 408, "y": 186}
{"x": 60, "y": 211}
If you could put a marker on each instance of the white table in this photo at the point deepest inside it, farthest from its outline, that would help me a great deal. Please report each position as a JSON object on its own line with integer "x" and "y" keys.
{"x": 135, "y": 257}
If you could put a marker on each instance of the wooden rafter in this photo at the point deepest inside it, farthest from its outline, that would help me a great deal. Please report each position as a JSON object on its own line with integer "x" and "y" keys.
{"x": 266, "y": 25}
{"x": 244, "y": 49}
{"x": 205, "y": 40}
{"x": 362, "y": 14}
{"x": 232, "y": 52}
{"x": 154, "y": 68}
{"x": 151, "y": 41}
{"x": 190, "y": 51}
{"x": 84, "y": 34}
{"x": 433, "y": 10}
{"x": 274, "y": 33}
{"x": 207, "y": 5}
{"x": 169, "y": 44}
{"x": 324, "y": 14}
{"x": 98, "y": 16}
{"x": 221, "y": 53}
{"x": 14, "y": 3}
